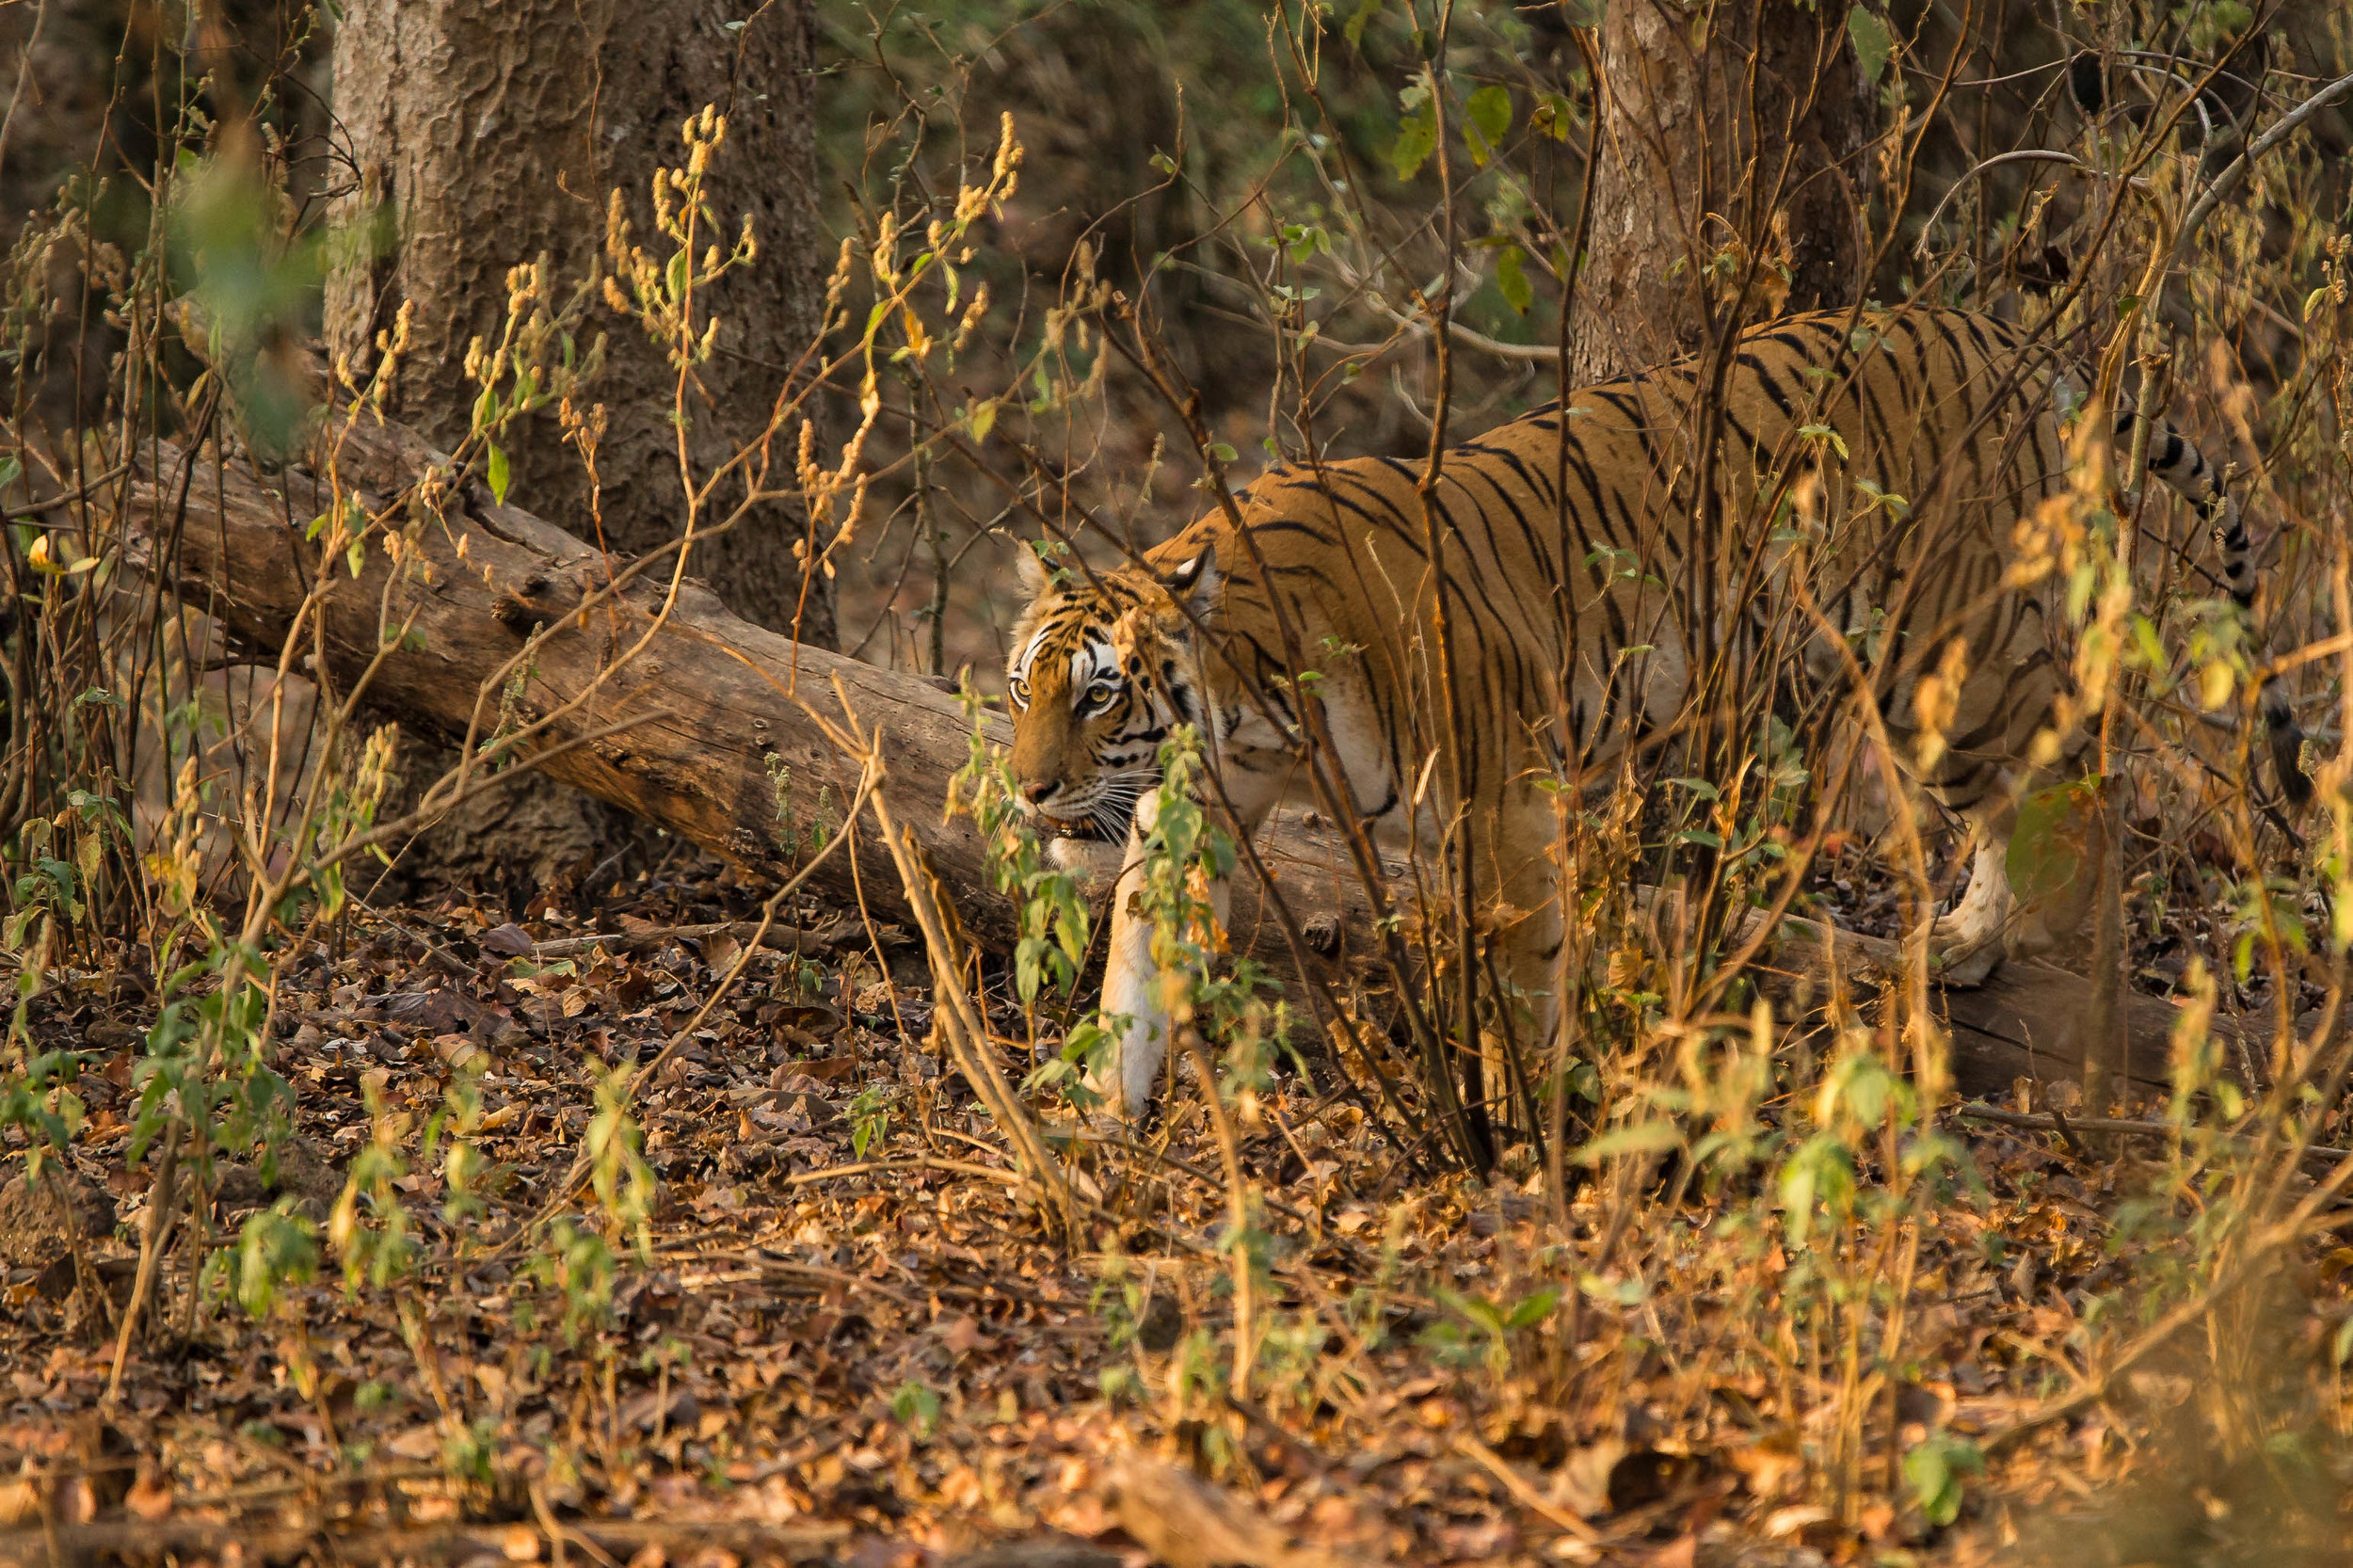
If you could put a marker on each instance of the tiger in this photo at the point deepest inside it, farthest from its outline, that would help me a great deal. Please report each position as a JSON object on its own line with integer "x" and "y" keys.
{"x": 1910, "y": 450}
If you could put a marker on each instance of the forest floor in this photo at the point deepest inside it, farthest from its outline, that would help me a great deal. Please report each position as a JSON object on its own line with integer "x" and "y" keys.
{"x": 844, "y": 1334}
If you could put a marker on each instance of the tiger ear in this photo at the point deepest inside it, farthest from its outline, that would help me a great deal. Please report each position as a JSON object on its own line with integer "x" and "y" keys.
{"x": 1193, "y": 580}
{"x": 1032, "y": 571}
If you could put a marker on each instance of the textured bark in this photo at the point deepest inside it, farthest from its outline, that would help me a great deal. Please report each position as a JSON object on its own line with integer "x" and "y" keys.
{"x": 1723, "y": 125}
{"x": 488, "y": 136}
{"x": 493, "y": 136}
{"x": 721, "y": 742}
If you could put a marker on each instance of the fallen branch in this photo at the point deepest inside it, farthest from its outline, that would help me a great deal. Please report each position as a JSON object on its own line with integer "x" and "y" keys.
{"x": 2118, "y": 1125}
{"x": 777, "y": 938}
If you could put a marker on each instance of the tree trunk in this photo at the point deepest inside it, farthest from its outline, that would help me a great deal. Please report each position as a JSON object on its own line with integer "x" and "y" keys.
{"x": 712, "y": 729}
{"x": 1731, "y": 130}
{"x": 488, "y": 136}
{"x": 494, "y": 136}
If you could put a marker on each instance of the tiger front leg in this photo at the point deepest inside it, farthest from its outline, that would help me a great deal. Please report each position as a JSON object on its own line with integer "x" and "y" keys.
{"x": 1146, "y": 1000}
{"x": 1520, "y": 1012}
{"x": 1970, "y": 943}
{"x": 1135, "y": 1015}
{"x": 2059, "y": 837}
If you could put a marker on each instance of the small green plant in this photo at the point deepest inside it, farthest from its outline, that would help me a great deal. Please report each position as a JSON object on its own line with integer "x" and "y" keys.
{"x": 794, "y": 835}
{"x": 277, "y": 1247}
{"x": 870, "y": 1119}
{"x": 1935, "y": 1468}
{"x": 1484, "y": 1331}
{"x": 465, "y": 1169}
{"x": 369, "y": 1227}
{"x": 1054, "y": 923}
{"x": 618, "y": 1171}
{"x": 38, "y": 1101}
{"x": 577, "y": 1264}
{"x": 917, "y": 1408}
{"x": 1186, "y": 853}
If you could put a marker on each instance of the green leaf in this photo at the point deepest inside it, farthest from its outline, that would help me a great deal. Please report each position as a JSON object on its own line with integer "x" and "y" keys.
{"x": 1934, "y": 1469}
{"x": 981, "y": 420}
{"x": 917, "y": 1408}
{"x": 1628, "y": 1291}
{"x": 1824, "y": 433}
{"x": 1487, "y": 115}
{"x": 1553, "y": 115}
{"x": 1532, "y": 1309}
{"x": 356, "y": 557}
{"x": 11, "y": 468}
{"x": 2052, "y": 841}
{"x": 1512, "y": 279}
{"x": 1354, "y": 30}
{"x": 1641, "y": 1138}
{"x": 1417, "y": 131}
{"x": 1221, "y": 451}
{"x": 1873, "y": 43}
{"x": 276, "y": 1247}
{"x": 500, "y": 474}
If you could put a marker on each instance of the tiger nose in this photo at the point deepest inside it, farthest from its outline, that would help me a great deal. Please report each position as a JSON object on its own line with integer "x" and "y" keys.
{"x": 1038, "y": 791}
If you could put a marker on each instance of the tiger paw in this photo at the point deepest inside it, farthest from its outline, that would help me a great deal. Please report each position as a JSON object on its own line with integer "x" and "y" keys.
{"x": 1965, "y": 967}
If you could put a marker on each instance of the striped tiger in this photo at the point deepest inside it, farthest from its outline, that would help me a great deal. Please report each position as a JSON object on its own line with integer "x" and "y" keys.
{"x": 1914, "y": 448}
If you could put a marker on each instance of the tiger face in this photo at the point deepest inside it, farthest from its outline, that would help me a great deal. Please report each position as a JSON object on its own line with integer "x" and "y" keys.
{"x": 1101, "y": 671}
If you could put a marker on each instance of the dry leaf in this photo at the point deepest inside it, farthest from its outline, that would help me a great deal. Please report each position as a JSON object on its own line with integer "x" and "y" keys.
{"x": 1783, "y": 1523}
{"x": 19, "y": 1500}
{"x": 1184, "y": 1522}
{"x": 1774, "y": 1466}
{"x": 422, "y": 1441}
{"x": 149, "y": 1497}
{"x": 508, "y": 942}
{"x": 1582, "y": 1484}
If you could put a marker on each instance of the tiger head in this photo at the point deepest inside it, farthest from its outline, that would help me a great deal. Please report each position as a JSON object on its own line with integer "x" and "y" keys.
{"x": 1102, "y": 669}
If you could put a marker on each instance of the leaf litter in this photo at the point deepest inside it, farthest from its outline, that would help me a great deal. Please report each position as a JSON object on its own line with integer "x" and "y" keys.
{"x": 840, "y": 1332}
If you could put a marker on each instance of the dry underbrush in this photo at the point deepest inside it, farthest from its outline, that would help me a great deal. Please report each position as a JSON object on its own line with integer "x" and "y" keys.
{"x": 839, "y": 1316}
{"x": 352, "y": 1233}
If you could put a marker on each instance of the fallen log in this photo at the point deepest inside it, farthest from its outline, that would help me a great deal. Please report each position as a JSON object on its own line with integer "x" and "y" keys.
{"x": 717, "y": 729}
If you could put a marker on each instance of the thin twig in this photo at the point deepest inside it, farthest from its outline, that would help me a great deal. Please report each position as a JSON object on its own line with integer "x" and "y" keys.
{"x": 81, "y": 493}
{"x": 1534, "y": 1502}
{"x": 2116, "y": 1126}
{"x": 787, "y": 939}
{"x": 916, "y": 1163}
{"x": 2227, "y": 182}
